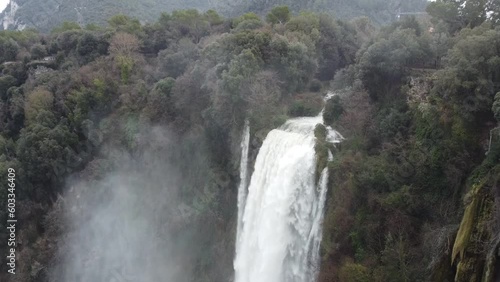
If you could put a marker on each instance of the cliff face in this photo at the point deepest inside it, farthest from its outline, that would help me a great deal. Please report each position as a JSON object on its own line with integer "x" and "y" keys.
{"x": 8, "y": 16}
{"x": 476, "y": 251}
{"x": 471, "y": 251}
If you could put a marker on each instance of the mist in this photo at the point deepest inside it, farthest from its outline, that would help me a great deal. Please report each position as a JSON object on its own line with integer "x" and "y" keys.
{"x": 127, "y": 220}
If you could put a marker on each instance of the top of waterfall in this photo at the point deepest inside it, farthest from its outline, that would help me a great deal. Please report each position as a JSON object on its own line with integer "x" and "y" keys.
{"x": 302, "y": 125}
{"x": 306, "y": 125}
{"x": 330, "y": 95}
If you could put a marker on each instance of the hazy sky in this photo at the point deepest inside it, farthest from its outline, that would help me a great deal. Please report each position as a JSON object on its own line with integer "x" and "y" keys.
{"x": 3, "y": 4}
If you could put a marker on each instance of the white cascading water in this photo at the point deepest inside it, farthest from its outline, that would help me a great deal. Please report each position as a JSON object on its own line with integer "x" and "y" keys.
{"x": 279, "y": 230}
{"x": 242, "y": 190}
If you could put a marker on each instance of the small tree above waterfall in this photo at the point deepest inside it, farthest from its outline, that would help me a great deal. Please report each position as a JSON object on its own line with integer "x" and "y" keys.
{"x": 278, "y": 15}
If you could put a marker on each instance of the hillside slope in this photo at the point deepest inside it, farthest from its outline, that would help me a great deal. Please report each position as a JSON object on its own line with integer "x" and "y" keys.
{"x": 379, "y": 11}
{"x": 44, "y": 15}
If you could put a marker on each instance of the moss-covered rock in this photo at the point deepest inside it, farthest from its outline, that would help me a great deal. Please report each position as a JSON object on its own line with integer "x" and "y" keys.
{"x": 476, "y": 243}
{"x": 333, "y": 110}
{"x": 321, "y": 149}
{"x": 467, "y": 224}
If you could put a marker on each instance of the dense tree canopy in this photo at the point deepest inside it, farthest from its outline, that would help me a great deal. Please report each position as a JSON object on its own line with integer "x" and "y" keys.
{"x": 457, "y": 14}
{"x": 416, "y": 101}
{"x": 67, "y": 96}
{"x": 416, "y": 147}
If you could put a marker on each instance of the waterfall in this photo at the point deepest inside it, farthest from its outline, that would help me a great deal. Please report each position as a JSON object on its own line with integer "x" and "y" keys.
{"x": 314, "y": 242}
{"x": 242, "y": 190}
{"x": 281, "y": 220}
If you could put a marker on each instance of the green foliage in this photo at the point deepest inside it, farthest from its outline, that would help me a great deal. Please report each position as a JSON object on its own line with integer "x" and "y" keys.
{"x": 263, "y": 101}
{"x": 23, "y": 38}
{"x": 396, "y": 260}
{"x": 414, "y": 152}
{"x": 307, "y": 104}
{"x": 393, "y": 122}
{"x": 38, "y": 51}
{"x": 124, "y": 23}
{"x": 123, "y": 48}
{"x": 447, "y": 12}
{"x": 496, "y": 107}
{"x": 407, "y": 152}
{"x": 486, "y": 167}
{"x": 409, "y": 23}
{"x": 471, "y": 72}
{"x": 306, "y": 23}
{"x": 249, "y": 25}
{"x": 322, "y": 150}
{"x": 278, "y": 15}
{"x": 165, "y": 86}
{"x": 257, "y": 42}
{"x": 456, "y": 15}
{"x": 175, "y": 60}
{"x": 333, "y": 110}
{"x": 66, "y": 26}
{"x": 240, "y": 68}
{"x": 91, "y": 46}
{"x": 192, "y": 72}
{"x": 93, "y": 27}
{"x": 333, "y": 54}
{"x": 250, "y": 17}
{"x": 67, "y": 40}
{"x": 131, "y": 129}
{"x": 160, "y": 104}
{"x": 296, "y": 63}
{"x": 384, "y": 63}
{"x": 6, "y": 82}
{"x": 300, "y": 109}
{"x": 380, "y": 11}
{"x": 44, "y": 149}
{"x": 213, "y": 17}
{"x": 9, "y": 49}
{"x": 91, "y": 101}
{"x": 39, "y": 101}
{"x": 126, "y": 64}
{"x": 352, "y": 272}
{"x": 190, "y": 23}
{"x": 315, "y": 85}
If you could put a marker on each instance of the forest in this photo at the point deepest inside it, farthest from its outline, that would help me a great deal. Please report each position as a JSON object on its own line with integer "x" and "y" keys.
{"x": 46, "y": 15}
{"x": 413, "y": 190}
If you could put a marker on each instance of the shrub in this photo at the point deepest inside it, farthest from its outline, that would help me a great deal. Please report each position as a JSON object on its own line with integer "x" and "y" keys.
{"x": 315, "y": 85}
{"x": 37, "y": 101}
{"x": 353, "y": 272}
{"x": 249, "y": 25}
{"x": 301, "y": 109}
{"x": 333, "y": 110}
{"x": 38, "y": 51}
{"x": 279, "y": 14}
